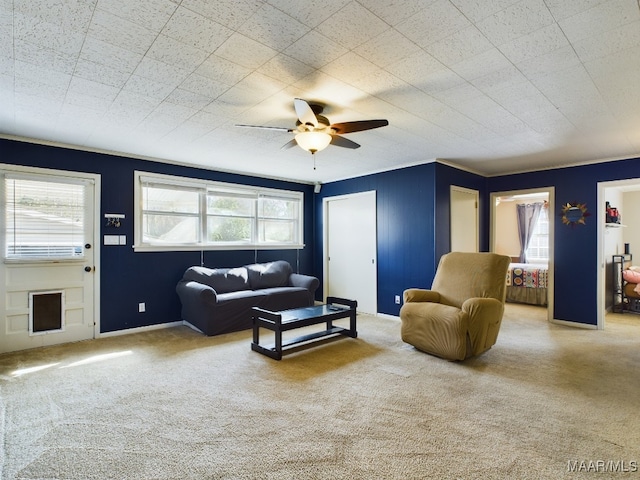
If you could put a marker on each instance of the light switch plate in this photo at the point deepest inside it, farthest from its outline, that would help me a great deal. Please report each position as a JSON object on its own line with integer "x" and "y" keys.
{"x": 111, "y": 240}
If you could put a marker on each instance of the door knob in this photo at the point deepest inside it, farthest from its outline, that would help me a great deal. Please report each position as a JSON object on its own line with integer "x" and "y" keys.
{"x": 87, "y": 245}
{"x": 87, "y": 268}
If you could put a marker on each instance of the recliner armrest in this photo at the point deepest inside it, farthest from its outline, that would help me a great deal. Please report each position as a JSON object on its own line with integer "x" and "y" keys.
{"x": 480, "y": 306}
{"x": 484, "y": 316}
{"x": 420, "y": 295}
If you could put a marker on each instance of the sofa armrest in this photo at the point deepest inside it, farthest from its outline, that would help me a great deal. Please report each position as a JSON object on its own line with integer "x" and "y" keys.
{"x": 304, "y": 281}
{"x": 420, "y": 295}
{"x": 191, "y": 292}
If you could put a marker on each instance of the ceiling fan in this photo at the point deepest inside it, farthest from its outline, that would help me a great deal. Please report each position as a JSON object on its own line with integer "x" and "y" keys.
{"x": 314, "y": 132}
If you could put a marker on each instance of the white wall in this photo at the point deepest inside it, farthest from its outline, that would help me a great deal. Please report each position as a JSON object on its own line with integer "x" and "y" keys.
{"x": 613, "y": 242}
{"x": 630, "y": 218}
{"x": 507, "y": 242}
{"x": 613, "y": 237}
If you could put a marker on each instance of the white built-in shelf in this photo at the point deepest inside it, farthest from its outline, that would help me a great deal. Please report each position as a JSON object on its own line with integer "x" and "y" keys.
{"x": 614, "y": 225}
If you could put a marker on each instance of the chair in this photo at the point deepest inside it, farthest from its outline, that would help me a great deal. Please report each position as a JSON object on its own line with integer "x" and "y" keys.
{"x": 460, "y": 316}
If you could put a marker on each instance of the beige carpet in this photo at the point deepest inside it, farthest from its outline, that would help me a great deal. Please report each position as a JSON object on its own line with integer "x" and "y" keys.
{"x": 173, "y": 404}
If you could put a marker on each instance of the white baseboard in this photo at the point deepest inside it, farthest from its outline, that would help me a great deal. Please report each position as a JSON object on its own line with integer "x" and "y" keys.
{"x": 127, "y": 331}
{"x": 193, "y": 327}
{"x": 574, "y": 324}
{"x": 148, "y": 328}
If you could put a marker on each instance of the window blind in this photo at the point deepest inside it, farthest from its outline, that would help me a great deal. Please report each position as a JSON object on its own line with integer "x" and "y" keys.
{"x": 44, "y": 219}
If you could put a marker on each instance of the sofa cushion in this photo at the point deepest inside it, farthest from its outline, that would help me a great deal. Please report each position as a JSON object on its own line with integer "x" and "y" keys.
{"x": 254, "y": 297}
{"x": 222, "y": 280}
{"x": 269, "y": 275}
{"x": 285, "y": 298}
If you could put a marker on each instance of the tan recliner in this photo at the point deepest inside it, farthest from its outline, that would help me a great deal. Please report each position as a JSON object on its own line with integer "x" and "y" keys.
{"x": 460, "y": 316}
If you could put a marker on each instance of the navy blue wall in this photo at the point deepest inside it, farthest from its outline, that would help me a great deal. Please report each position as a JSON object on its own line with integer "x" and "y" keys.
{"x": 412, "y": 223}
{"x": 413, "y": 229}
{"x": 127, "y": 277}
{"x": 576, "y": 248}
{"x": 413, "y": 226}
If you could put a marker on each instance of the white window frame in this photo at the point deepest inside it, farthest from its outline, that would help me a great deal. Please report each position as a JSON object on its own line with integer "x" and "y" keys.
{"x": 536, "y": 235}
{"x": 203, "y": 187}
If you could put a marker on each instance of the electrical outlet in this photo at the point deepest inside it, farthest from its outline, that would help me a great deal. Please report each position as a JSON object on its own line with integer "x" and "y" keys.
{"x": 142, "y": 307}
{"x": 397, "y": 299}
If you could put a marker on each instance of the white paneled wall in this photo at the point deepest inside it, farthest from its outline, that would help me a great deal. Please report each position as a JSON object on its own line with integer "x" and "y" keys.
{"x": 631, "y": 218}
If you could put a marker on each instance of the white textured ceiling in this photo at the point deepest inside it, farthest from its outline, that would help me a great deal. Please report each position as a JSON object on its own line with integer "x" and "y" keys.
{"x": 495, "y": 86}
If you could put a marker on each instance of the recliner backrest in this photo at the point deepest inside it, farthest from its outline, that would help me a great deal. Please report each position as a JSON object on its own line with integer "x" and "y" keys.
{"x": 463, "y": 275}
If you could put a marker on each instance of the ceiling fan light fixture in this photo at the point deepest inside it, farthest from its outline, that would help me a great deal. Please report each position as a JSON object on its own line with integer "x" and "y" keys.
{"x": 313, "y": 141}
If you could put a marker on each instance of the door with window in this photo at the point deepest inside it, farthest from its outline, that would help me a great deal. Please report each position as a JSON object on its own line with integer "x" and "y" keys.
{"x": 48, "y": 259}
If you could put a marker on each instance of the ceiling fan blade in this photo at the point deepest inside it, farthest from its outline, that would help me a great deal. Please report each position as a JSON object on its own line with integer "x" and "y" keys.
{"x": 339, "y": 141}
{"x": 289, "y": 144}
{"x": 358, "y": 126}
{"x": 304, "y": 112}
{"x": 282, "y": 129}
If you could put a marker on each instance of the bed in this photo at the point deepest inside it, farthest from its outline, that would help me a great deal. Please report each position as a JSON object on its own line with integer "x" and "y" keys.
{"x": 527, "y": 283}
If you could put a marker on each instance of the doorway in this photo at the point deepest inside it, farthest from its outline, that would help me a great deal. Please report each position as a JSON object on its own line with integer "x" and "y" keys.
{"x": 464, "y": 219}
{"x": 614, "y": 236}
{"x": 48, "y": 224}
{"x": 504, "y": 239}
{"x": 350, "y": 249}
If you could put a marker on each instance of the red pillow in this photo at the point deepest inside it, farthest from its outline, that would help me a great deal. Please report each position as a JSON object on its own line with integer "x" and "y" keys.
{"x": 631, "y": 276}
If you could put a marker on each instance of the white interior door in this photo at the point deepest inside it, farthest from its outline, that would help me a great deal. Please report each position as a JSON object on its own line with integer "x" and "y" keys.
{"x": 49, "y": 259}
{"x": 464, "y": 219}
{"x": 350, "y": 249}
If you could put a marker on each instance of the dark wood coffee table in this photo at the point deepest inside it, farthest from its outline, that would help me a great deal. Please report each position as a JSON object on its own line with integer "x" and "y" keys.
{"x": 336, "y": 308}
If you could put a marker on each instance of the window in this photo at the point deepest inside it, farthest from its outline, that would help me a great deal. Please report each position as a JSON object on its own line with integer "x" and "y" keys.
{"x": 44, "y": 218}
{"x": 277, "y": 219}
{"x": 182, "y": 214}
{"x": 538, "y": 250}
{"x": 230, "y": 218}
{"x": 170, "y": 215}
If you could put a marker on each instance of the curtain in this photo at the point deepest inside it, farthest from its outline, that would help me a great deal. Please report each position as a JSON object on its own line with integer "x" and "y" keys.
{"x": 528, "y": 214}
